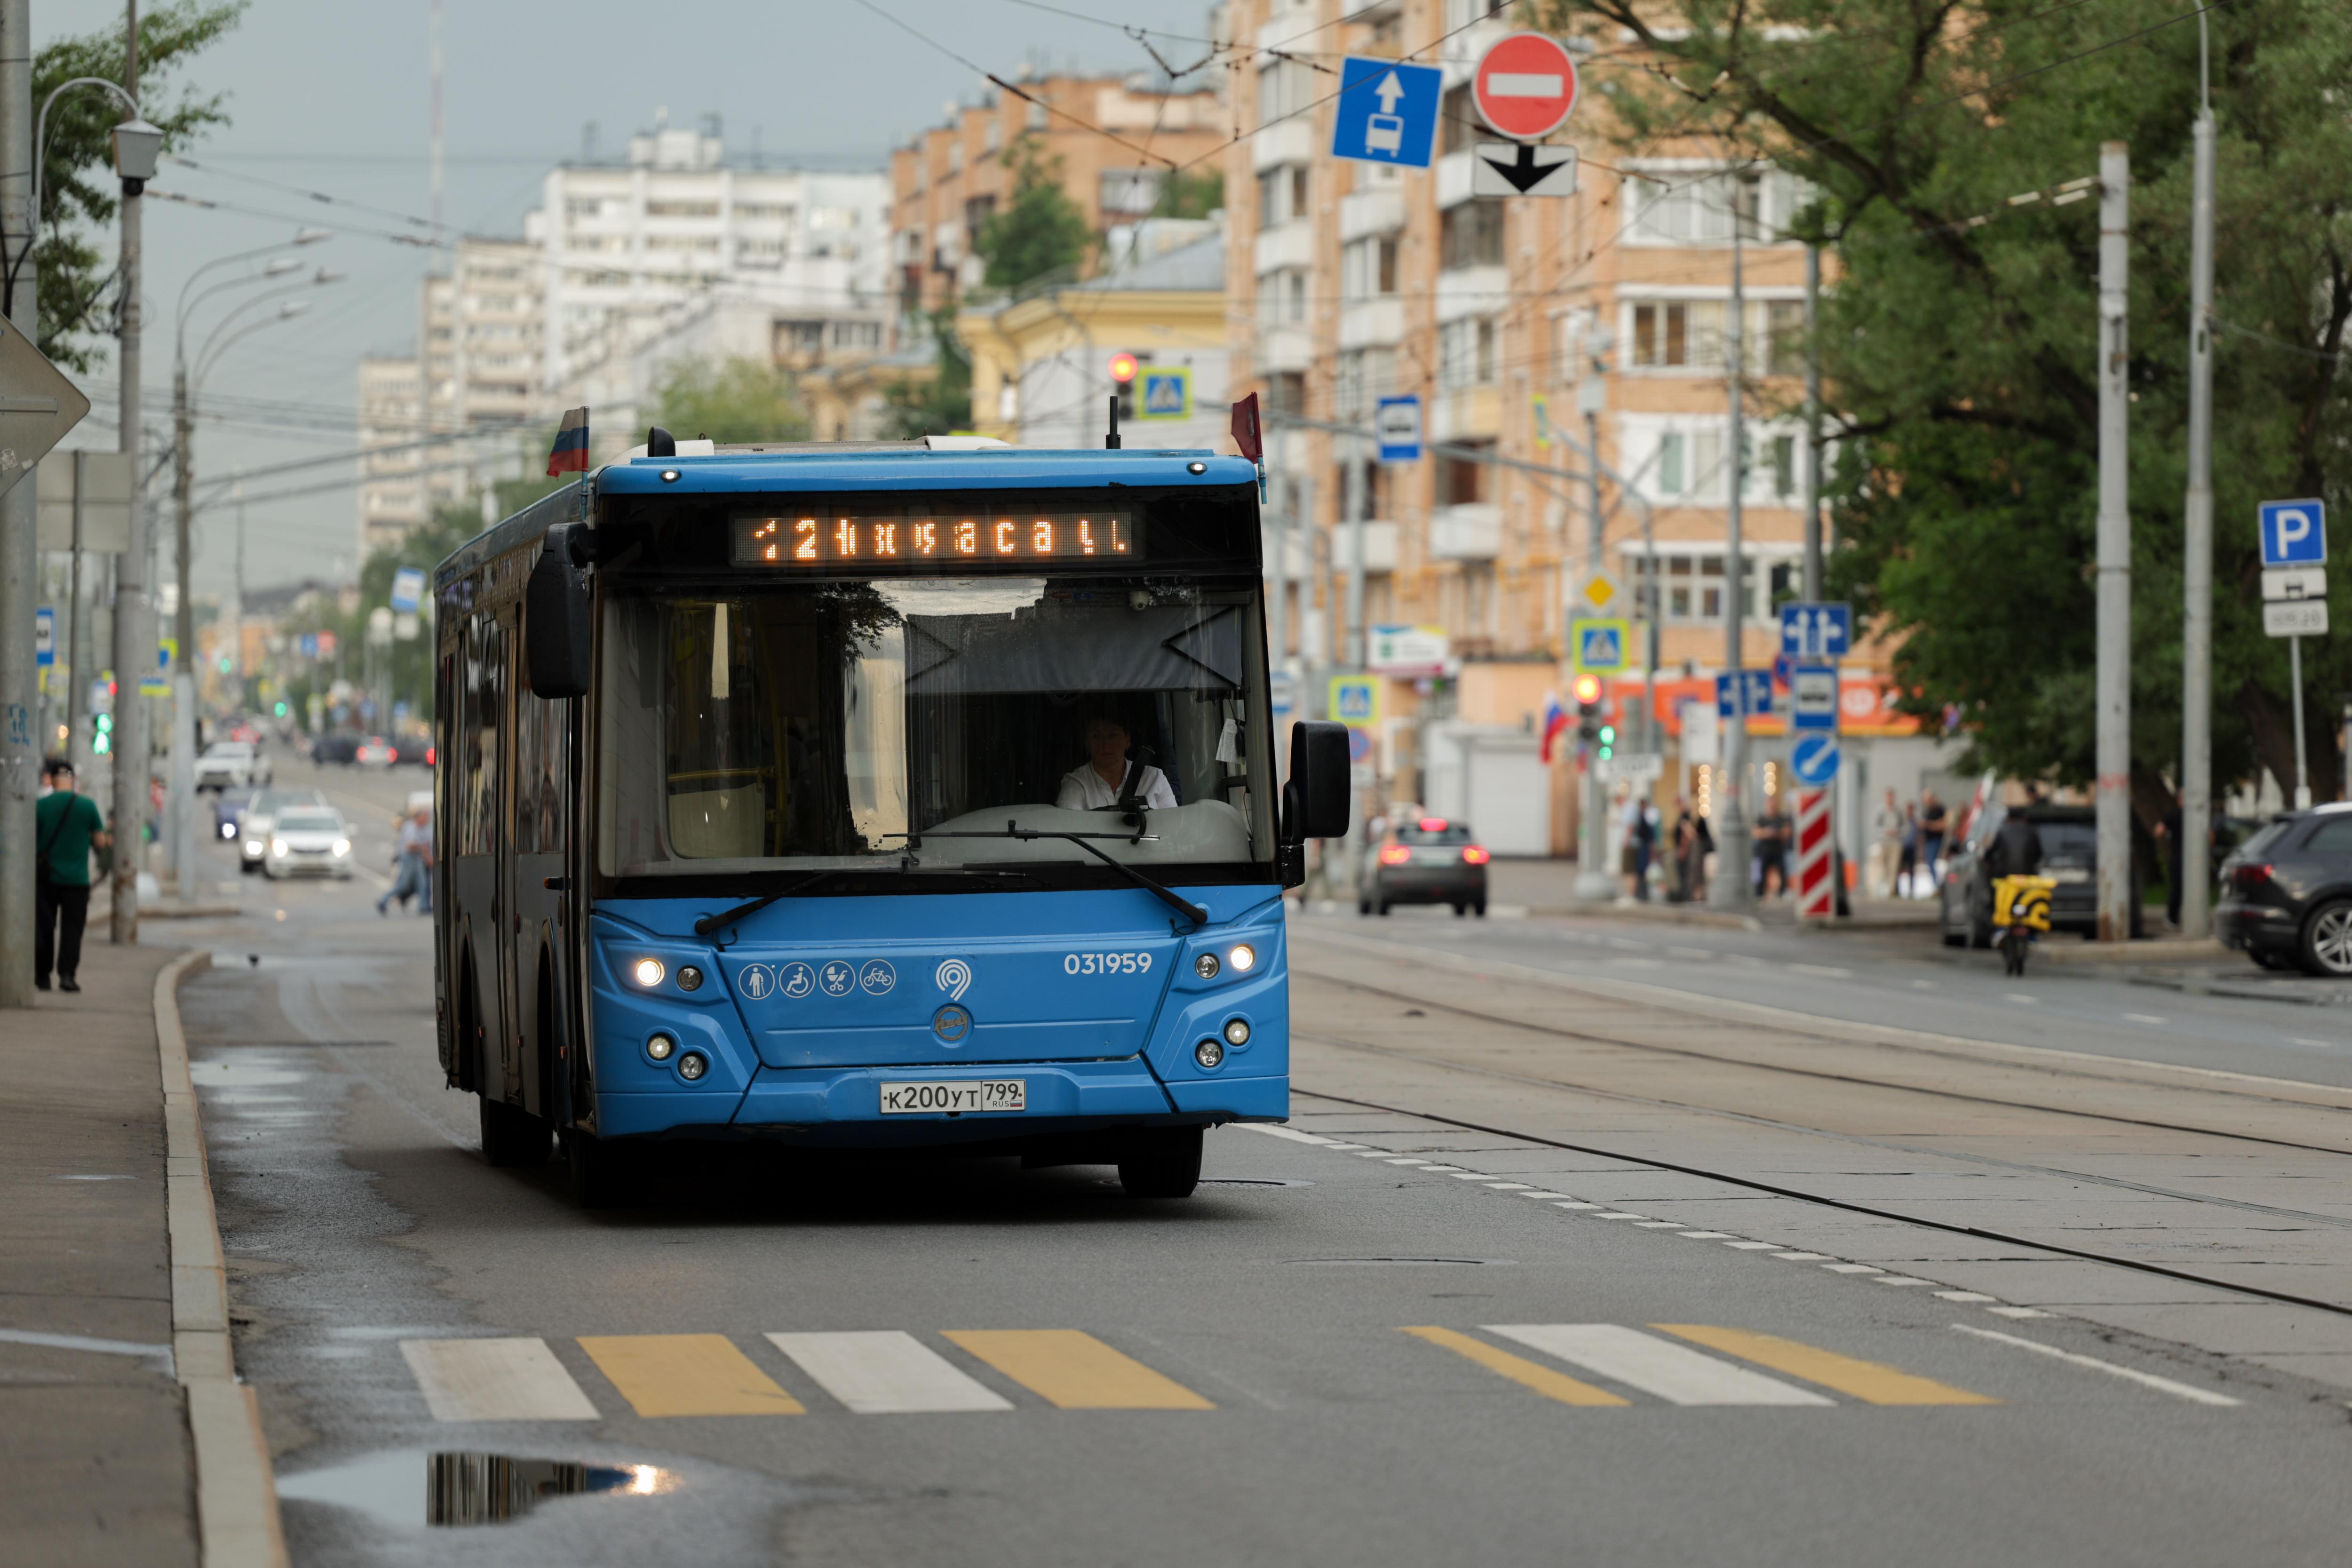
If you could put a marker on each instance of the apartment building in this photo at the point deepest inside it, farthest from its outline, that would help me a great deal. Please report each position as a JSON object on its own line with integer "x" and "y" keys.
{"x": 1110, "y": 140}
{"x": 635, "y": 252}
{"x": 1519, "y": 324}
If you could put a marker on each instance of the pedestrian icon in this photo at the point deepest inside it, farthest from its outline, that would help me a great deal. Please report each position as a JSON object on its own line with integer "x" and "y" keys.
{"x": 1356, "y": 701}
{"x": 2294, "y": 533}
{"x": 755, "y": 981}
{"x": 1166, "y": 394}
{"x": 1386, "y": 112}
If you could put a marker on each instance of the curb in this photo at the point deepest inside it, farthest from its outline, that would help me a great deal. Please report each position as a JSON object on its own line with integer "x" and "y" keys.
{"x": 236, "y": 1497}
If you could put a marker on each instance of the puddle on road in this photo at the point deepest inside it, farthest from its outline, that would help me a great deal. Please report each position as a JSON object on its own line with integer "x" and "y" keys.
{"x": 417, "y": 1486}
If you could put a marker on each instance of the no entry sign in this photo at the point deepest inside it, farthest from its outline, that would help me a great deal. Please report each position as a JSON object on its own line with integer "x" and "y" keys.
{"x": 1525, "y": 87}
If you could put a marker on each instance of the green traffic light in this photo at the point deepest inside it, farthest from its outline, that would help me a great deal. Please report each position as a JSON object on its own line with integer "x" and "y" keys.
{"x": 102, "y": 745}
{"x": 281, "y": 710}
{"x": 1607, "y": 735}
{"x": 105, "y": 724}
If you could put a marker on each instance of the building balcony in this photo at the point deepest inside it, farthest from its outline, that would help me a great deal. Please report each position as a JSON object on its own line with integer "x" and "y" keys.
{"x": 1286, "y": 244}
{"x": 1453, "y": 173}
{"x": 1371, "y": 324}
{"x": 1470, "y": 531}
{"x": 1290, "y": 141}
{"x": 1380, "y": 210}
{"x": 1379, "y": 548}
{"x": 1285, "y": 349}
{"x": 1473, "y": 292}
{"x": 1467, "y": 414}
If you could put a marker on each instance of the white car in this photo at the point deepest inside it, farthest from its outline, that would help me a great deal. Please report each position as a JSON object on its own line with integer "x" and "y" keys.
{"x": 232, "y": 764}
{"x": 308, "y": 841}
{"x": 254, "y": 825}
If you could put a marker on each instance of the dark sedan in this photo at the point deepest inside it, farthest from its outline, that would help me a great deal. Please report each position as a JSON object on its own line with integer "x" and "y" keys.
{"x": 2070, "y": 858}
{"x": 1428, "y": 860}
{"x": 2286, "y": 893}
{"x": 229, "y": 805}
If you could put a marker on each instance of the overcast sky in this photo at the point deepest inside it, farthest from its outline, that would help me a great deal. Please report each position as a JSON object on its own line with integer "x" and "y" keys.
{"x": 334, "y": 96}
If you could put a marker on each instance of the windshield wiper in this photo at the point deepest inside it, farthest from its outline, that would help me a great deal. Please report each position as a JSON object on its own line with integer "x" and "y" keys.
{"x": 1168, "y": 896}
{"x": 710, "y": 923}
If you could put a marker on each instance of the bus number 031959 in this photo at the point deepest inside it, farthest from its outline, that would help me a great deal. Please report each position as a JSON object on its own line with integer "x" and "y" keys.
{"x": 1106, "y": 963}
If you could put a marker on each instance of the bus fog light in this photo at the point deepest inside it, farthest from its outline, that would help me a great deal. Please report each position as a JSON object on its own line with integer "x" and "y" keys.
{"x": 1244, "y": 959}
{"x": 689, "y": 978}
{"x": 1209, "y": 1054}
{"x": 660, "y": 1046}
{"x": 692, "y": 1066}
{"x": 1237, "y": 1031}
{"x": 649, "y": 970}
{"x": 1205, "y": 966}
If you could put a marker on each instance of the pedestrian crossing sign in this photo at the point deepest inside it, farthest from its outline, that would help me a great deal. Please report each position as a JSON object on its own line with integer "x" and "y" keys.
{"x": 1600, "y": 645}
{"x": 1356, "y": 701}
{"x": 1165, "y": 394}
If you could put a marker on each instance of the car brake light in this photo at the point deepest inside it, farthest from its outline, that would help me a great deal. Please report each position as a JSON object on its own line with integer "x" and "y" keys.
{"x": 1395, "y": 854}
{"x": 1473, "y": 855}
{"x": 2251, "y": 877}
{"x": 1432, "y": 825}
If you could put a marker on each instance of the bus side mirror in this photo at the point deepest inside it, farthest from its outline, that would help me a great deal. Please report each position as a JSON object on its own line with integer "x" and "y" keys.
{"x": 557, "y": 618}
{"x": 1317, "y": 800}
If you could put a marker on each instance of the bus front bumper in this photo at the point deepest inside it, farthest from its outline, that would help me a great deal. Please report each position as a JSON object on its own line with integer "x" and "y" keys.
{"x": 842, "y": 1107}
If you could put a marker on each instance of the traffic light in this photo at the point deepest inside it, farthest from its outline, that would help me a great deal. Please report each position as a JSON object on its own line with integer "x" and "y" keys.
{"x": 1123, "y": 368}
{"x": 1607, "y": 742}
{"x": 1585, "y": 689}
{"x": 102, "y": 738}
{"x": 278, "y": 710}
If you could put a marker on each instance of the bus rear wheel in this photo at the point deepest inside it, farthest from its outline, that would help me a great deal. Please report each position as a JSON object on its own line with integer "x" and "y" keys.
{"x": 1161, "y": 1163}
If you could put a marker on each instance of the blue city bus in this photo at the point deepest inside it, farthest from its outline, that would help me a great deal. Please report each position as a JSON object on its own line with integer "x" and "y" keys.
{"x": 880, "y": 797}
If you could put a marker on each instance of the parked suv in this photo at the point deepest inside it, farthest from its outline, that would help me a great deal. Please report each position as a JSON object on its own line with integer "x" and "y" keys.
{"x": 2070, "y": 857}
{"x": 2286, "y": 893}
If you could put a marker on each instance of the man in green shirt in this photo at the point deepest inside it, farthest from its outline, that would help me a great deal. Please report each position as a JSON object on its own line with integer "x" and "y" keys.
{"x": 66, "y": 827}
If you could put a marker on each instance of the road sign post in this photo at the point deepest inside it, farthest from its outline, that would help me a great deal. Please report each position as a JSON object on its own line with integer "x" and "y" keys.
{"x": 2294, "y": 535}
{"x": 1386, "y": 112}
{"x": 1816, "y": 866}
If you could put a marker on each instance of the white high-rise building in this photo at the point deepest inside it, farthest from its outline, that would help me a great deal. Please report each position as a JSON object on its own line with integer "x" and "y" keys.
{"x": 632, "y": 253}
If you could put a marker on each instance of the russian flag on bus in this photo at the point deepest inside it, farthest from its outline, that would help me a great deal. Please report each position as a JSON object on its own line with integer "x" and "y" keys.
{"x": 1555, "y": 722}
{"x": 570, "y": 455}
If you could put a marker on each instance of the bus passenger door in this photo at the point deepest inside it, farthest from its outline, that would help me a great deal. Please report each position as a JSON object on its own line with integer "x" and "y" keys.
{"x": 505, "y": 1010}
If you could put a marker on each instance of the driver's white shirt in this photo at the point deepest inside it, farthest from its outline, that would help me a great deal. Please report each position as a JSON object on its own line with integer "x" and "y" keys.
{"x": 1083, "y": 790}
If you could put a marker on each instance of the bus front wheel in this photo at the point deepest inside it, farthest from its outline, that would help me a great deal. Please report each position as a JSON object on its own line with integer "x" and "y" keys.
{"x": 593, "y": 1167}
{"x": 512, "y": 1135}
{"x": 1161, "y": 1163}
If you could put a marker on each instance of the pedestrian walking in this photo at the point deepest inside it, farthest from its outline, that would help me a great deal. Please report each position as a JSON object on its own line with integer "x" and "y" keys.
{"x": 1933, "y": 821}
{"x": 1772, "y": 850}
{"x": 66, "y": 827}
{"x": 1885, "y": 846}
{"x": 413, "y": 858}
{"x": 1694, "y": 842}
{"x": 1906, "y": 858}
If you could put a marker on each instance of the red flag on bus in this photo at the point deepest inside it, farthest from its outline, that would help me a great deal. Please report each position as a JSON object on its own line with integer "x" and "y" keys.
{"x": 570, "y": 455}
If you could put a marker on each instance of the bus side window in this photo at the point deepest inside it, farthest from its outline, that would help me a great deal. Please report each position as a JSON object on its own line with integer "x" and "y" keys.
{"x": 486, "y": 691}
{"x": 530, "y": 723}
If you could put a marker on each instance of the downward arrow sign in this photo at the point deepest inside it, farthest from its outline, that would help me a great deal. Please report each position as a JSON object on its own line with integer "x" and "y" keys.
{"x": 1387, "y": 93}
{"x": 1523, "y": 172}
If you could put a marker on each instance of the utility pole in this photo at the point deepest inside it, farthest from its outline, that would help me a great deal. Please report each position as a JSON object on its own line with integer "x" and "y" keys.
{"x": 1593, "y": 883}
{"x": 1353, "y": 649}
{"x": 1730, "y": 890}
{"x": 181, "y": 801}
{"x": 1815, "y": 591}
{"x": 2114, "y": 682}
{"x": 20, "y": 555}
{"x": 2195, "y": 849}
{"x": 134, "y": 617}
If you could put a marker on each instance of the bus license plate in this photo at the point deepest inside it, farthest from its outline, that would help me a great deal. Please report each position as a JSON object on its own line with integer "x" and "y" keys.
{"x": 930, "y": 1098}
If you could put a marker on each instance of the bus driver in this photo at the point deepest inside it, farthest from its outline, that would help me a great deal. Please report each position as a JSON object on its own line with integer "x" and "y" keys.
{"x": 1098, "y": 782}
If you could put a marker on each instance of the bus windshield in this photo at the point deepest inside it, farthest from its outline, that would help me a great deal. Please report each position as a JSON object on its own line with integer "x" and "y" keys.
{"x": 914, "y": 725}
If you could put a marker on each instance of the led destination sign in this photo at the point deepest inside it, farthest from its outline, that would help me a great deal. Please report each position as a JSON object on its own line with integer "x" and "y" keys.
{"x": 900, "y": 539}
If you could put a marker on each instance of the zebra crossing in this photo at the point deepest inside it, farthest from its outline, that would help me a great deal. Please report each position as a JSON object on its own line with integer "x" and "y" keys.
{"x": 894, "y": 1371}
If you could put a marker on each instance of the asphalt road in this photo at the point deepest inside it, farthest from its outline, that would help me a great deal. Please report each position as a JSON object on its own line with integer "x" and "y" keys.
{"x": 1378, "y": 1338}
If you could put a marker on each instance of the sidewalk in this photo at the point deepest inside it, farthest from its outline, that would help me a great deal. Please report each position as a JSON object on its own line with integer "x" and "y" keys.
{"x": 125, "y": 1437}
{"x": 93, "y": 1428}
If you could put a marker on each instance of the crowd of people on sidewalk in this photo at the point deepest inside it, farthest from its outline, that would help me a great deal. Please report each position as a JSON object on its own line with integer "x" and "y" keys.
{"x": 1907, "y": 848}
{"x": 1906, "y": 855}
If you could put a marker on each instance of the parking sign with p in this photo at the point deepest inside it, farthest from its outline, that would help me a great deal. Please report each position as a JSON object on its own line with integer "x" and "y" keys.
{"x": 2294, "y": 533}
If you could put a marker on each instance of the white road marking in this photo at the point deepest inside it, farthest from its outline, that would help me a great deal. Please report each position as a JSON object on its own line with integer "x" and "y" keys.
{"x": 1964, "y": 1296}
{"x": 1708, "y": 1234}
{"x": 1620, "y": 1216}
{"x": 495, "y": 1380}
{"x": 2323, "y": 1044}
{"x": 2022, "y": 999}
{"x": 1398, "y": 1159}
{"x": 1542, "y": 1196}
{"x": 2145, "y": 1379}
{"x": 1461, "y": 1175}
{"x": 1800, "y": 1257}
{"x": 1923, "y": 985}
{"x": 1344, "y": 1148}
{"x": 1655, "y": 1223}
{"x": 1751, "y": 1246}
{"x": 1509, "y": 1186}
{"x": 1826, "y": 972}
{"x": 1292, "y": 1133}
{"x": 1854, "y": 1268}
{"x": 1575, "y": 1205}
{"x": 1446, "y": 1168}
{"x": 2143, "y": 1019}
{"x": 1900, "y": 1279}
{"x": 1674, "y": 1373}
{"x": 2017, "y": 1311}
{"x": 887, "y": 1372}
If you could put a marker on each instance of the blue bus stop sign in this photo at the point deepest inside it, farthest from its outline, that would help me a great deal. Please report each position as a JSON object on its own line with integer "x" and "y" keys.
{"x": 1815, "y": 759}
{"x": 1387, "y": 112}
{"x": 2294, "y": 533}
{"x": 1396, "y": 426}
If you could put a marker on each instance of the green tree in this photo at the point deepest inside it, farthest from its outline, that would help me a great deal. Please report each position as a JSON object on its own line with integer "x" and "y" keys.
{"x": 940, "y": 405}
{"x": 1192, "y": 194}
{"x": 742, "y": 400}
{"x": 1040, "y": 230}
{"x": 1961, "y": 353}
{"x": 78, "y": 281}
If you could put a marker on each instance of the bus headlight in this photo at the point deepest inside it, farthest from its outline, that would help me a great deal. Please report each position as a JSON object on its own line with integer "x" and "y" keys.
{"x": 648, "y": 972}
{"x": 1244, "y": 959}
{"x": 1209, "y": 1054}
{"x": 1237, "y": 1031}
{"x": 692, "y": 1066}
{"x": 660, "y": 1046}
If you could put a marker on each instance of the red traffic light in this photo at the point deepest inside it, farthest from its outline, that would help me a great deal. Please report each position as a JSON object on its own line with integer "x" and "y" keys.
{"x": 1122, "y": 368}
{"x": 1587, "y": 688}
